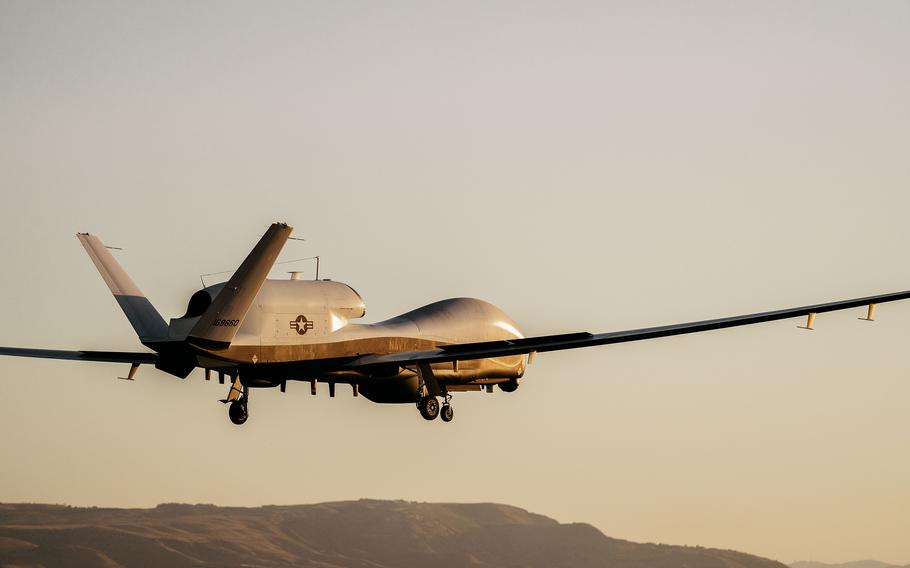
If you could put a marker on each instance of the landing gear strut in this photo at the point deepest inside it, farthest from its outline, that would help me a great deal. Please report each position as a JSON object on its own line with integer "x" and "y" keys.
{"x": 448, "y": 413}
{"x": 238, "y": 398}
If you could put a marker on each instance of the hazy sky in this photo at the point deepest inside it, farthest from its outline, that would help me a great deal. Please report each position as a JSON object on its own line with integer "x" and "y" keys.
{"x": 583, "y": 165}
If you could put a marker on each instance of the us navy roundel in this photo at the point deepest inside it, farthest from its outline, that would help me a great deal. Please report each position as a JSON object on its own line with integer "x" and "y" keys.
{"x": 301, "y": 325}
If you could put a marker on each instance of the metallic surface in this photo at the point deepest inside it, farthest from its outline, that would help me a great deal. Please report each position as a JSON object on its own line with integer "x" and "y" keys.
{"x": 264, "y": 333}
{"x": 99, "y": 356}
{"x": 221, "y": 321}
{"x": 144, "y": 318}
{"x": 268, "y": 350}
{"x": 466, "y": 351}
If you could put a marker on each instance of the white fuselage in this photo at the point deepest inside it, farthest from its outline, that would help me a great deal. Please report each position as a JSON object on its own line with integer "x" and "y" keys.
{"x": 301, "y": 320}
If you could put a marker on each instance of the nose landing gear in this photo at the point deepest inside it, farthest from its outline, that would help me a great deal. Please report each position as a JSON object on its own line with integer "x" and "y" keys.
{"x": 238, "y": 398}
{"x": 238, "y": 411}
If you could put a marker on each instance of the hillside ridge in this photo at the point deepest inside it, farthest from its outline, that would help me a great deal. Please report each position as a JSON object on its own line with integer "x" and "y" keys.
{"x": 364, "y": 533}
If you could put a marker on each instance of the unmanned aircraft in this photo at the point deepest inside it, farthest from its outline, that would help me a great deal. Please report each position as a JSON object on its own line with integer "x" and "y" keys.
{"x": 263, "y": 333}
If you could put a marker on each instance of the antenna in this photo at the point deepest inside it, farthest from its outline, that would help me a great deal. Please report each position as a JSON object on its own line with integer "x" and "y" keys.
{"x": 202, "y": 276}
{"x": 316, "y": 258}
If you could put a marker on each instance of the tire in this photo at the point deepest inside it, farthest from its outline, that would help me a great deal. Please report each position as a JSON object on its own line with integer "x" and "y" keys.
{"x": 429, "y": 407}
{"x": 447, "y": 413}
{"x": 238, "y": 412}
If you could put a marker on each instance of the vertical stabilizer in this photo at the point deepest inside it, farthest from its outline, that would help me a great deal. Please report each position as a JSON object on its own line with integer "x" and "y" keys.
{"x": 143, "y": 316}
{"x": 220, "y": 322}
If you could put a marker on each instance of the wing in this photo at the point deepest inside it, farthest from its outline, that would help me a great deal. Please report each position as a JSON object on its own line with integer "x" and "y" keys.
{"x": 103, "y": 356}
{"x": 483, "y": 350}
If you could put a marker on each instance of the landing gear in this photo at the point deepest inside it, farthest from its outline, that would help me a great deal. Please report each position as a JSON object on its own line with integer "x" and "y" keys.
{"x": 238, "y": 398}
{"x": 428, "y": 407}
{"x": 428, "y": 389}
{"x": 238, "y": 411}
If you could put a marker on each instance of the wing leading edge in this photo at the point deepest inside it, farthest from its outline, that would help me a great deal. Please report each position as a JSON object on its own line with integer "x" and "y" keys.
{"x": 503, "y": 348}
{"x": 483, "y": 350}
{"x": 100, "y": 356}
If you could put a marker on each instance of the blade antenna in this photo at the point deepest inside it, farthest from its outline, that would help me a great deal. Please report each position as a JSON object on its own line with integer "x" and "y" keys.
{"x": 316, "y": 258}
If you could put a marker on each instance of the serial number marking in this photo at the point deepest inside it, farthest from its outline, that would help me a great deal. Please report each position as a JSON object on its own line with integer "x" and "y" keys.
{"x": 225, "y": 323}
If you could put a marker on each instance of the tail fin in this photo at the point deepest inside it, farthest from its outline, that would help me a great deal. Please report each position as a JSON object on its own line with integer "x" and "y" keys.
{"x": 143, "y": 316}
{"x": 220, "y": 322}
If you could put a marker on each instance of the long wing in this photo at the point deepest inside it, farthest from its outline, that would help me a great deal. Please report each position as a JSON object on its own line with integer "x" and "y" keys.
{"x": 465, "y": 351}
{"x": 102, "y": 356}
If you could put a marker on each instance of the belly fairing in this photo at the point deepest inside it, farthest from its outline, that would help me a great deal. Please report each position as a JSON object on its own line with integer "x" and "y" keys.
{"x": 390, "y": 390}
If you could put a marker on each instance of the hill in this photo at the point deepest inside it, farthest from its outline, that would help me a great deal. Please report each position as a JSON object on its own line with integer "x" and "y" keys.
{"x": 376, "y": 534}
{"x": 855, "y": 564}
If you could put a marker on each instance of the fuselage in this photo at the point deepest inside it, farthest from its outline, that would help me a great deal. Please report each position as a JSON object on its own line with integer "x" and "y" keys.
{"x": 292, "y": 322}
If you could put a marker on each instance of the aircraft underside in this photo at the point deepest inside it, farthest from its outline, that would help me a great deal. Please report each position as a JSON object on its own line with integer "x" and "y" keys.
{"x": 281, "y": 341}
{"x": 422, "y": 385}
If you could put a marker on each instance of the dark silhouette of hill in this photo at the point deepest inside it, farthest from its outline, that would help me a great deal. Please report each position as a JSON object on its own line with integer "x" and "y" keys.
{"x": 363, "y": 534}
{"x": 854, "y": 564}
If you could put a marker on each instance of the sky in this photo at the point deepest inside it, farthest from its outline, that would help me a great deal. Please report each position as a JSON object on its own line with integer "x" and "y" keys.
{"x": 583, "y": 165}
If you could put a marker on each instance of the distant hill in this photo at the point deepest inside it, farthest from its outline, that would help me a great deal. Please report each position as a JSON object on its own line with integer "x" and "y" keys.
{"x": 367, "y": 534}
{"x": 856, "y": 564}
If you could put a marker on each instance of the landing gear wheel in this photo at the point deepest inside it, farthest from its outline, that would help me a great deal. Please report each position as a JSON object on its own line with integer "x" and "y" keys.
{"x": 447, "y": 413}
{"x": 429, "y": 407}
{"x": 238, "y": 412}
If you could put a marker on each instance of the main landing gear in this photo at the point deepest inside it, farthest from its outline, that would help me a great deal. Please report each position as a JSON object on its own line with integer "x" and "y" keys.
{"x": 429, "y": 408}
{"x": 447, "y": 413}
{"x": 428, "y": 388}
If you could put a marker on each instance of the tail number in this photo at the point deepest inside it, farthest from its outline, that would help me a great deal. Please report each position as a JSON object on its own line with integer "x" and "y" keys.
{"x": 225, "y": 323}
